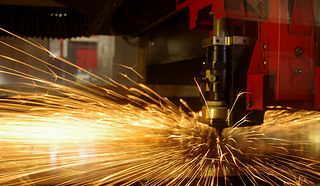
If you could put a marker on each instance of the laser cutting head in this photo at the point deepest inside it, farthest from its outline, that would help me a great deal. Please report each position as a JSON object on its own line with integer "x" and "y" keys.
{"x": 215, "y": 114}
{"x": 263, "y": 48}
{"x": 222, "y": 78}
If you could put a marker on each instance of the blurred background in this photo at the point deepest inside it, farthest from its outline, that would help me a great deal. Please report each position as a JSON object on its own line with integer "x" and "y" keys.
{"x": 152, "y": 37}
{"x": 166, "y": 42}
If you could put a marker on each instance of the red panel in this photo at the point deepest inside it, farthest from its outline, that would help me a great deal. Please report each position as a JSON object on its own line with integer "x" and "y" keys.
{"x": 255, "y": 89}
{"x": 281, "y": 58}
{"x": 302, "y": 17}
{"x": 220, "y": 8}
{"x": 317, "y": 89}
{"x": 257, "y": 65}
{"x": 87, "y": 58}
{"x": 274, "y": 52}
{"x": 194, "y": 7}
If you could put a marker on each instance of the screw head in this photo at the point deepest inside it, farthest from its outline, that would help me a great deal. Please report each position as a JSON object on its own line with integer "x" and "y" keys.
{"x": 213, "y": 78}
{"x": 297, "y": 71}
{"x": 298, "y": 51}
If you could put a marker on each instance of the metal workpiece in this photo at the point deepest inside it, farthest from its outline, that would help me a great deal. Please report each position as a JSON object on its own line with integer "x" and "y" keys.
{"x": 294, "y": 130}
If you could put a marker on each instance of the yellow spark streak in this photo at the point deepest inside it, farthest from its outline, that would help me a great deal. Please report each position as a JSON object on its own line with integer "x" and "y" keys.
{"x": 204, "y": 99}
{"x": 132, "y": 69}
{"x": 66, "y": 133}
{"x": 235, "y": 102}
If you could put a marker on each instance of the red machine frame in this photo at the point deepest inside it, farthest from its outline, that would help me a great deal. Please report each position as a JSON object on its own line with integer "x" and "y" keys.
{"x": 283, "y": 60}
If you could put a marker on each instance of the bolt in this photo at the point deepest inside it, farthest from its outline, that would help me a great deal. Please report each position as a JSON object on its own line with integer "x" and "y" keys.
{"x": 249, "y": 104}
{"x": 213, "y": 78}
{"x": 264, "y": 63}
{"x": 297, "y": 71}
{"x": 264, "y": 46}
{"x": 298, "y": 51}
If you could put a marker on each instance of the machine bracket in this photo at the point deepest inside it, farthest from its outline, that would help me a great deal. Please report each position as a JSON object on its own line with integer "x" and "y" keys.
{"x": 234, "y": 40}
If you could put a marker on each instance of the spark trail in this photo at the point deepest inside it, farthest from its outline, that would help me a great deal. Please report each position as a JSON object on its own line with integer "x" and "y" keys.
{"x": 56, "y": 131}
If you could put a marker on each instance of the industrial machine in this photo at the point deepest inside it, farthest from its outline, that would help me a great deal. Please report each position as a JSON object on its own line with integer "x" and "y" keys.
{"x": 230, "y": 59}
{"x": 259, "y": 53}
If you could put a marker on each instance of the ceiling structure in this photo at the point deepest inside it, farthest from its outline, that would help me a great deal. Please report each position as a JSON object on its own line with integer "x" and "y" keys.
{"x": 72, "y": 18}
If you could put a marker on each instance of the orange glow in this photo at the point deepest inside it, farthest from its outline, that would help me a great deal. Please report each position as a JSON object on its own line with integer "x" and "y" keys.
{"x": 64, "y": 133}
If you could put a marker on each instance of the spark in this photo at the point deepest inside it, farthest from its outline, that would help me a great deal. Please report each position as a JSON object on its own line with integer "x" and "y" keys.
{"x": 204, "y": 99}
{"x": 235, "y": 102}
{"x": 64, "y": 133}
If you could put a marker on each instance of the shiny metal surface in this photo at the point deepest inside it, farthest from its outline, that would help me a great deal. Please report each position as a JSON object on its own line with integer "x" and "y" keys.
{"x": 294, "y": 132}
{"x": 215, "y": 110}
